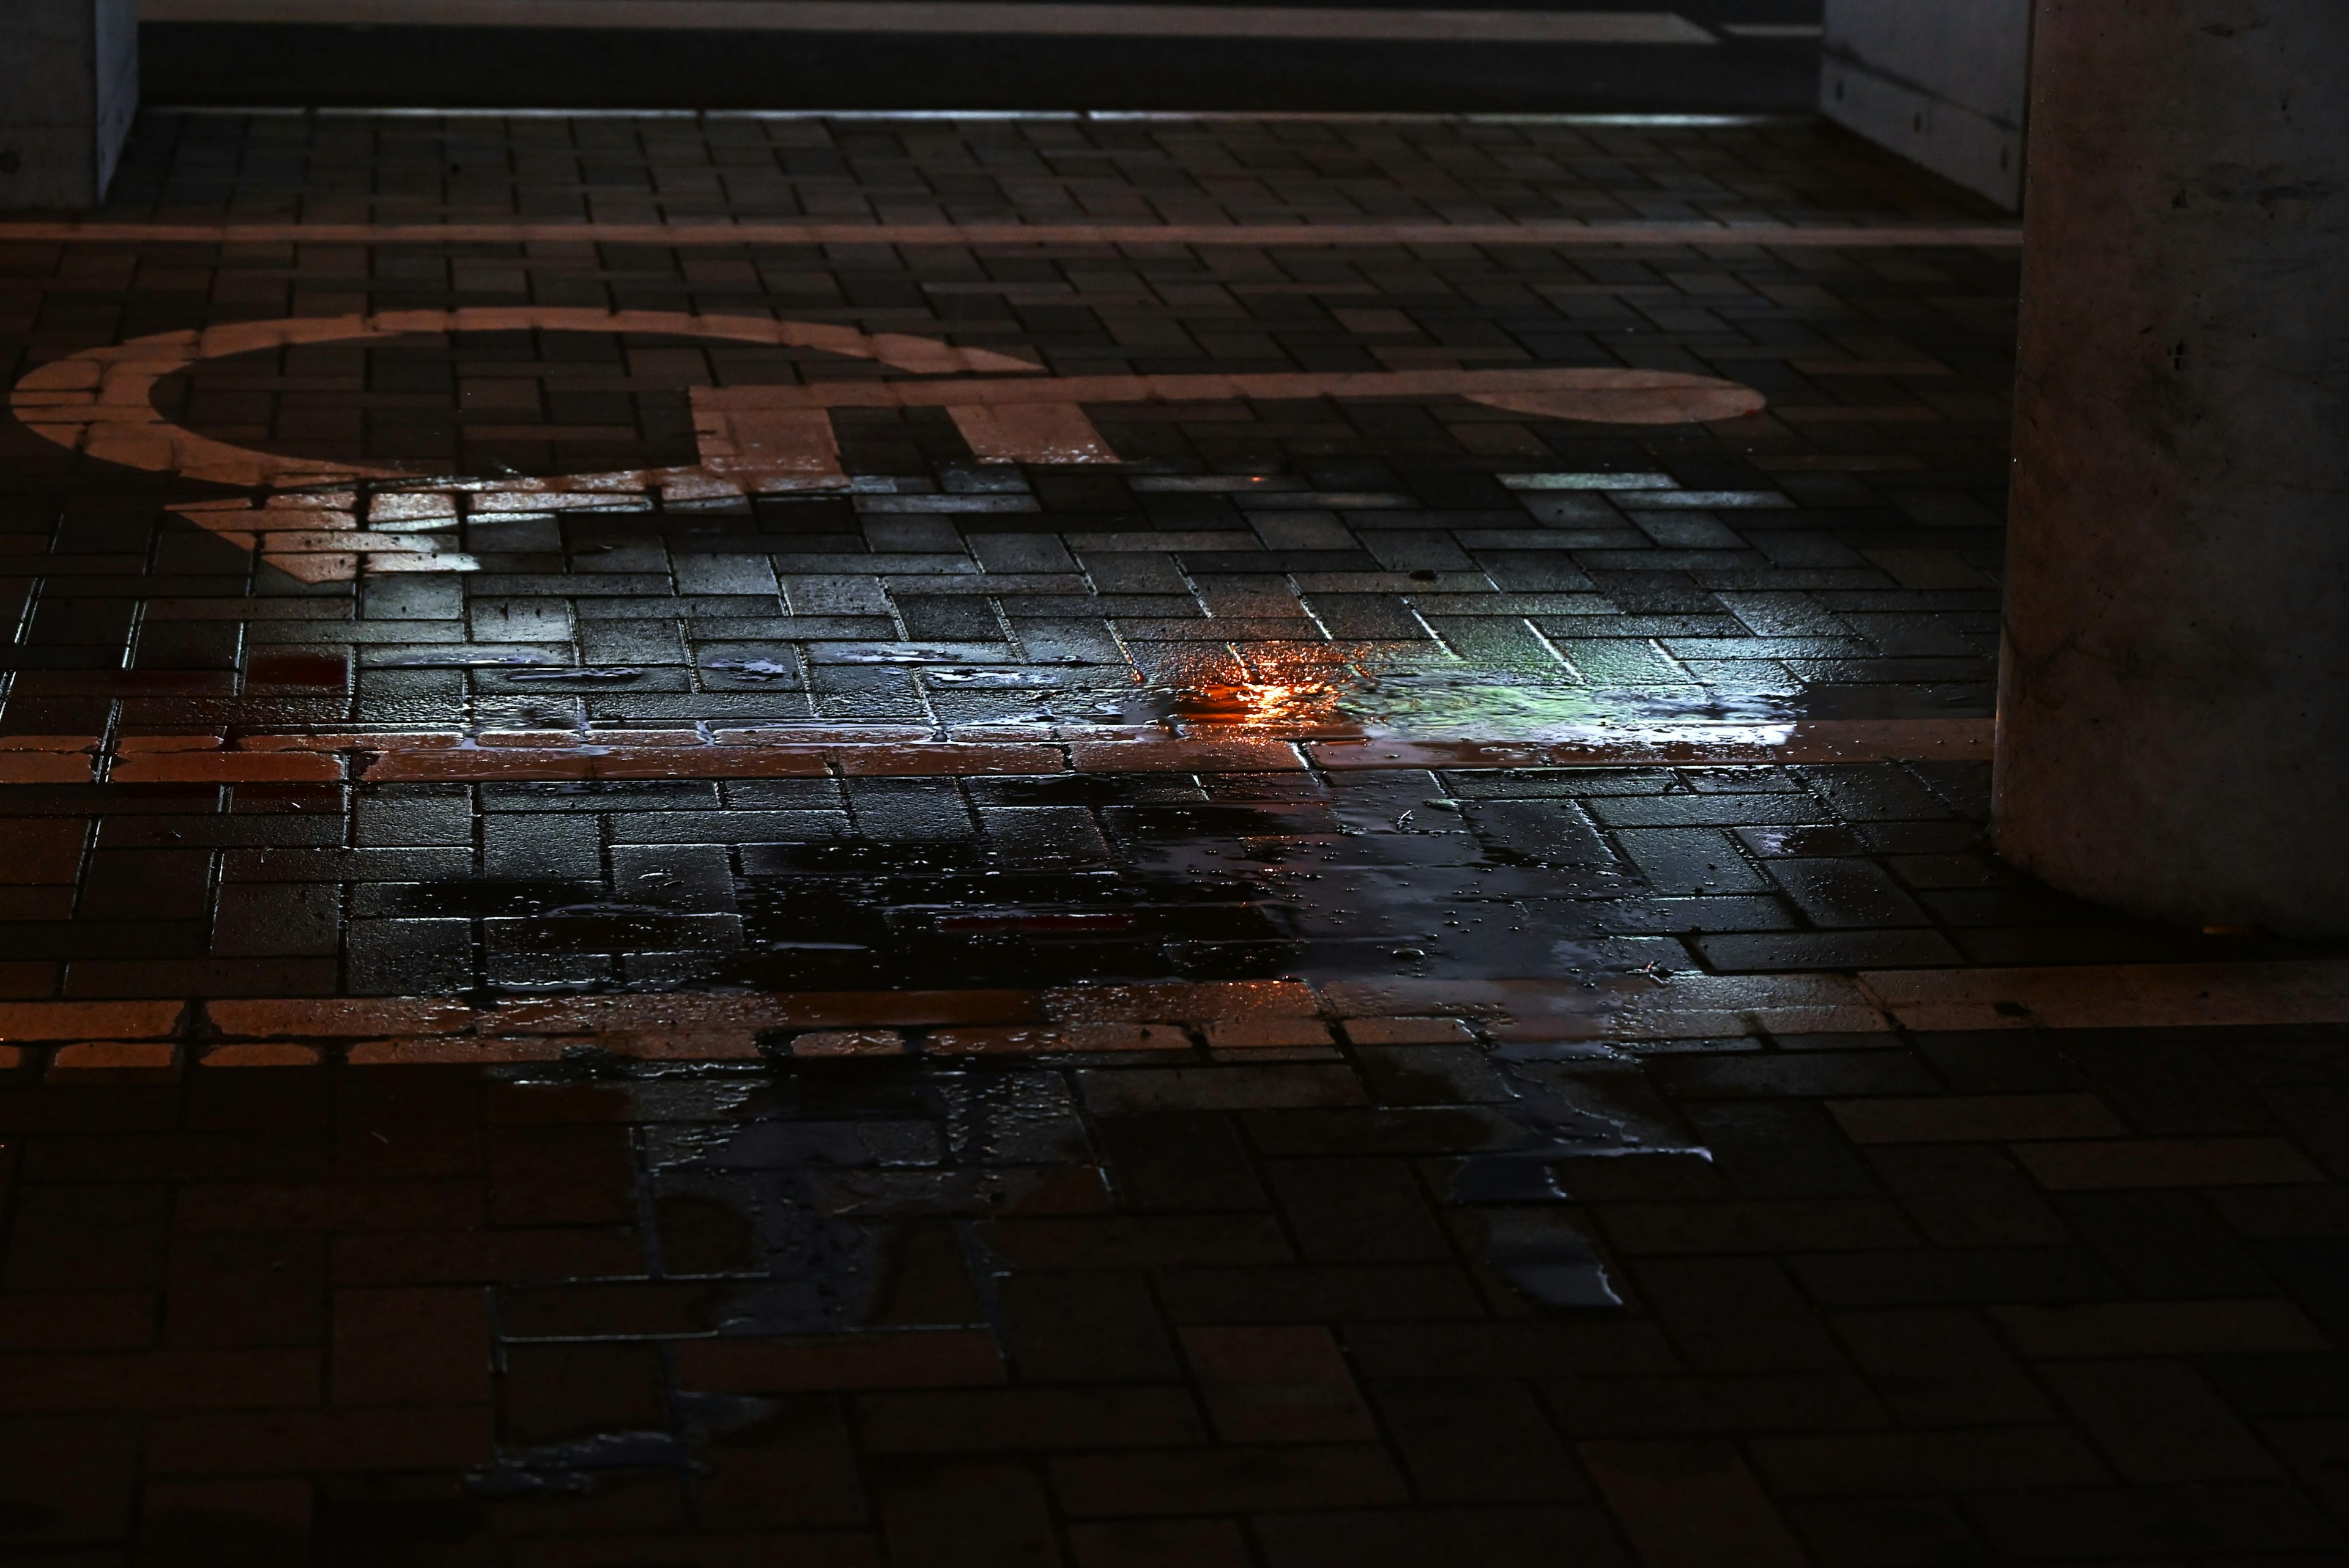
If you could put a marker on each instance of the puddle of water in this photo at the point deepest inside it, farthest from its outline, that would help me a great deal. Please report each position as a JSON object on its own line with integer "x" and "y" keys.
{"x": 754, "y": 669}
{"x": 557, "y": 1468}
{"x": 463, "y": 661}
{"x": 1549, "y": 1263}
{"x": 894, "y": 654}
{"x": 1354, "y": 690}
{"x": 840, "y": 1195}
{"x": 1375, "y": 879}
{"x": 990, "y": 679}
{"x": 856, "y": 915}
{"x": 604, "y": 673}
{"x": 1570, "y": 1102}
{"x": 1484, "y": 705}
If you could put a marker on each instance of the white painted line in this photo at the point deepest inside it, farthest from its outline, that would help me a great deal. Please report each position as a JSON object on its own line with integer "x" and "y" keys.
{"x": 956, "y": 16}
{"x": 1773, "y": 29}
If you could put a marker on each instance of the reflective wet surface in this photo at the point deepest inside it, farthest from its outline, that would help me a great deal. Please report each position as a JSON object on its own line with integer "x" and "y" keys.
{"x": 1310, "y": 976}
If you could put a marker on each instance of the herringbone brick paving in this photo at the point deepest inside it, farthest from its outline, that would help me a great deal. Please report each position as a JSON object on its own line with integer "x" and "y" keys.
{"x": 1013, "y": 1153}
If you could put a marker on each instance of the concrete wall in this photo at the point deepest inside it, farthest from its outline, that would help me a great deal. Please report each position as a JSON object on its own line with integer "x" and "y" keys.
{"x": 1941, "y": 82}
{"x": 2173, "y": 717}
{"x": 69, "y": 87}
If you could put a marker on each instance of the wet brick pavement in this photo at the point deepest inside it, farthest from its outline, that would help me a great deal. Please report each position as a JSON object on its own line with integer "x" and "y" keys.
{"x": 824, "y": 884}
{"x": 1013, "y": 1087}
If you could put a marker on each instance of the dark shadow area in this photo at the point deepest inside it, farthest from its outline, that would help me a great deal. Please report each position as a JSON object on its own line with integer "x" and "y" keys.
{"x": 346, "y": 66}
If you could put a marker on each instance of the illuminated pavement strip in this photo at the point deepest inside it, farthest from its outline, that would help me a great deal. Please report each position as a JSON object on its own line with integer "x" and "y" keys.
{"x": 912, "y": 752}
{"x": 1237, "y": 1020}
{"x": 1775, "y": 236}
{"x": 1267, "y": 1019}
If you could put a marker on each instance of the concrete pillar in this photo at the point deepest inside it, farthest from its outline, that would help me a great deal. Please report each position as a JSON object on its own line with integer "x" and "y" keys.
{"x": 1941, "y": 82}
{"x": 2174, "y": 703}
{"x": 69, "y": 86}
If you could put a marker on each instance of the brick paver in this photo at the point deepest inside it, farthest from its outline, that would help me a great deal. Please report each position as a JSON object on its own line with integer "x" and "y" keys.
{"x": 1376, "y": 980}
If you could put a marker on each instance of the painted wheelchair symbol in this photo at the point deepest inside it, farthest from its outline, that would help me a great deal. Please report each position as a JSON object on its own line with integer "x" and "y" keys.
{"x": 322, "y": 521}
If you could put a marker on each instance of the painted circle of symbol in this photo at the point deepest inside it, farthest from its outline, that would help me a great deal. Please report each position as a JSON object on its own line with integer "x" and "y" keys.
{"x": 751, "y": 440}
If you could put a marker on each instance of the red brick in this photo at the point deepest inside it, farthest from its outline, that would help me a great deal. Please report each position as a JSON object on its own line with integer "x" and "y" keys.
{"x": 1964, "y": 1459}
{"x": 1124, "y": 1242}
{"x": 381, "y": 1439}
{"x": 1322, "y": 1293}
{"x": 2162, "y": 1328}
{"x": 1782, "y": 1226}
{"x": 457, "y": 1052}
{"x": 336, "y": 1018}
{"x": 1184, "y": 757}
{"x": 266, "y": 1523}
{"x": 1407, "y": 1031}
{"x": 1485, "y": 1537}
{"x": 1965, "y": 1119}
{"x": 86, "y": 1237}
{"x": 1180, "y": 1161}
{"x": 122, "y": 1109}
{"x": 1381, "y": 1350}
{"x": 1160, "y": 1543}
{"x": 1691, "y": 1504}
{"x": 2159, "y": 1421}
{"x": 850, "y": 1043}
{"x": 88, "y": 1020}
{"x": 291, "y": 1153}
{"x": 1277, "y": 1384}
{"x": 66, "y": 1479}
{"x": 984, "y": 1420}
{"x": 561, "y": 1176}
{"x": 1228, "y": 1480}
{"x": 107, "y": 1060}
{"x": 558, "y": 1393}
{"x": 1085, "y": 1326}
{"x": 1182, "y": 1001}
{"x": 947, "y": 759}
{"x": 593, "y": 1309}
{"x": 276, "y": 1055}
{"x": 226, "y": 768}
{"x": 2165, "y": 1162}
{"x": 557, "y": 1104}
{"x": 224, "y": 1288}
{"x": 37, "y": 851}
{"x": 787, "y": 1549}
{"x": 943, "y": 1358}
{"x": 158, "y": 1379}
{"x": 1484, "y": 1442}
{"x": 965, "y": 1515}
{"x": 1640, "y": 1407}
{"x": 75, "y": 1320}
{"x": 1111, "y": 1091}
{"x": 406, "y": 1125}
{"x": 411, "y": 1346}
{"x": 2226, "y": 1523}
{"x": 793, "y": 1467}
{"x": 1030, "y": 1040}
{"x": 349, "y": 1206}
{"x": 1250, "y": 1034}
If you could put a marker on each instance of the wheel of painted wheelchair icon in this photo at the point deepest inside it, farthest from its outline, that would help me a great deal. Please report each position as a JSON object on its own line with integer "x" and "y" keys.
{"x": 323, "y": 521}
